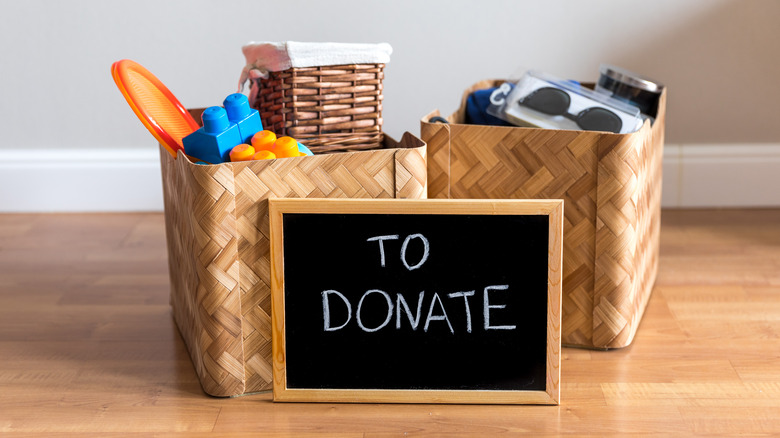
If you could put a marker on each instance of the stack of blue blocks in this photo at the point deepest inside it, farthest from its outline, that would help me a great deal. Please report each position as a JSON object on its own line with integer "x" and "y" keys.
{"x": 223, "y": 129}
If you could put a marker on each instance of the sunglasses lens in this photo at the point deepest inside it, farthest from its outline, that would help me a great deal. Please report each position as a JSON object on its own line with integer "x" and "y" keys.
{"x": 548, "y": 100}
{"x": 599, "y": 119}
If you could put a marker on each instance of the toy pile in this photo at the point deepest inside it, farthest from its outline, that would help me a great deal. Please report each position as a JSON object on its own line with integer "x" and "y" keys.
{"x": 232, "y": 132}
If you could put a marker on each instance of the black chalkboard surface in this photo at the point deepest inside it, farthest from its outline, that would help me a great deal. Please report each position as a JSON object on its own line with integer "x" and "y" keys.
{"x": 416, "y": 301}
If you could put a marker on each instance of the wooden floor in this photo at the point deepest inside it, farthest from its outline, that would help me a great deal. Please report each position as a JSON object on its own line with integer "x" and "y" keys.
{"x": 88, "y": 345}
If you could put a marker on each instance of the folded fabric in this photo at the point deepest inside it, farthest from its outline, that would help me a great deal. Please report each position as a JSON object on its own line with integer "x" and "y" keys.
{"x": 262, "y": 57}
{"x": 476, "y": 109}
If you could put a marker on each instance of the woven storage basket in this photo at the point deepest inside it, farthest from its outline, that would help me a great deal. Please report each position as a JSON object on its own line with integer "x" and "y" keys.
{"x": 611, "y": 186}
{"x": 328, "y": 108}
{"x": 216, "y": 221}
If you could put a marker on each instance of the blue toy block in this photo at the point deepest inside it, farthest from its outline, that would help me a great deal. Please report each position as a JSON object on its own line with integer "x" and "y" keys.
{"x": 247, "y": 119}
{"x": 214, "y": 141}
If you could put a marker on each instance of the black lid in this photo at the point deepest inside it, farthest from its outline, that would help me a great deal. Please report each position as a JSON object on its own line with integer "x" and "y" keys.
{"x": 630, "y": 78}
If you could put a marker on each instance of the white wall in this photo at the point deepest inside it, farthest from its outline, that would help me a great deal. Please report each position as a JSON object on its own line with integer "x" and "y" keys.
{"x": 719, "y": 58}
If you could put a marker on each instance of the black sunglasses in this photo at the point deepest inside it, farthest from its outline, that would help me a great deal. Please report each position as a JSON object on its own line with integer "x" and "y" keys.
{"x": 555, "y": 102}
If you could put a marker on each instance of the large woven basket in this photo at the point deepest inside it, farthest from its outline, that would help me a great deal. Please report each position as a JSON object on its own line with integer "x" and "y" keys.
{"x": 218, "y": 245}
{"x": 611, "y": 186}
{"x": 328, "y": 108}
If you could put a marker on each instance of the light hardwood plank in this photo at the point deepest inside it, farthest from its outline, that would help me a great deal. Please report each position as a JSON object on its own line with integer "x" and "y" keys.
{"x": 88, "y": 346}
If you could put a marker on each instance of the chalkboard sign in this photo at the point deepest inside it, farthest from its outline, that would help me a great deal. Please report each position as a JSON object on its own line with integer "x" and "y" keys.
{"x": 440, "y": 301}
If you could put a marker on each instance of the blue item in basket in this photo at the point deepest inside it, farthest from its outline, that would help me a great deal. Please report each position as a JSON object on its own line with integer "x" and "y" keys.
{"x": 304, "y": 149}
{"x": 476, "y": 109}
{"x": 212, "y": 142}
{"x": 248, "y": 119}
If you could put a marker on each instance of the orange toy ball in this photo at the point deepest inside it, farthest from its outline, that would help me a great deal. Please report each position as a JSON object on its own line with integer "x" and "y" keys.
{"x": 264, "y": 155}
{"x": 242, "y": 152}
{"x": 286, "y": 147}
{"x": 263, "y": 140}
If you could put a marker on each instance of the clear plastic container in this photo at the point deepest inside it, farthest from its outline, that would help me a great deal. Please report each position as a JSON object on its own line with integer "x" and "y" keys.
{"x": 544, "y": 101}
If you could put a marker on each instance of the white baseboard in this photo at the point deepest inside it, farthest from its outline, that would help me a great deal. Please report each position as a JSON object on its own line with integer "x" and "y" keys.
{"x": 88, "y": 180}
{"x": 723, "y": 175}
{"x": 80, "y": 180}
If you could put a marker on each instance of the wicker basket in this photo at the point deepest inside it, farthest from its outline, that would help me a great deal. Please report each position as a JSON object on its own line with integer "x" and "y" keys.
{"x": 611, "y": 185}
{"x": 218, "y": 245}
{"x": 328, "y": 108}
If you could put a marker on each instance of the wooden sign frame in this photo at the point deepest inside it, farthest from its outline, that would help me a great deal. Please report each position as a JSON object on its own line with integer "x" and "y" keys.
{"x": 551, "y": 208}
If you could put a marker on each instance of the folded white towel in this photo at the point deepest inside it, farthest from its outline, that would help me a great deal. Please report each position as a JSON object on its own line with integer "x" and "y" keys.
{"x": 262, "y": 57}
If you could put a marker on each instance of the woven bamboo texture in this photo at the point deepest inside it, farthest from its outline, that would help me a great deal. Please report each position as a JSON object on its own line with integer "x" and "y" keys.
{"x": 328, "y": 108}
{"x": 218, "y": 247}
{"x": 611, "y": 186}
